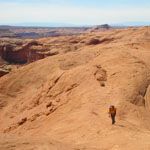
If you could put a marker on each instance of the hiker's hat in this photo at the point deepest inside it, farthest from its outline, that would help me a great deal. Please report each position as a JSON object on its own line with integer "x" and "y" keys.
{"x": 111, "y": 106}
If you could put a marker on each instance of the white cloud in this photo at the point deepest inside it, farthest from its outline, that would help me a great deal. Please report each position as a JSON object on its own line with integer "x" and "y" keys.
{"x": 32, "y": 12}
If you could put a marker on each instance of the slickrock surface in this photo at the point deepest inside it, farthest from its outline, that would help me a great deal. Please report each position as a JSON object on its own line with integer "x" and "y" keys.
{"x": 61, "y": 101}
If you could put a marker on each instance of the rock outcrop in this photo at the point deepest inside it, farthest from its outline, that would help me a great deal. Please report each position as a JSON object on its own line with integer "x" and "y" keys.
{"x": 27, "y": 51}
{"x": 10, "y": 51}
{"x": 3, "y": 72}
{"x": 103, "y": 27}
{"x": 22, "y": 53}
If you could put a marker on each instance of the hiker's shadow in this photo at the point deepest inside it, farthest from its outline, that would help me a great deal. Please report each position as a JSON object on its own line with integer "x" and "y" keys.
{"x": 120, "y": 125}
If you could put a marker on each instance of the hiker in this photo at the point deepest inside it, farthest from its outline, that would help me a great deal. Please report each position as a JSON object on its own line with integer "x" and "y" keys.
{"x": 112, "y": 113}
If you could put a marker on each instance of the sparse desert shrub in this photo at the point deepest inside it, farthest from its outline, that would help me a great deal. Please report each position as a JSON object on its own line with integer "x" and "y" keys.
{"x": 9, "y": 69}
{"x": 102, "y": 84}
{"x": 37, "y": 102}
{"x": 103, "y": 70}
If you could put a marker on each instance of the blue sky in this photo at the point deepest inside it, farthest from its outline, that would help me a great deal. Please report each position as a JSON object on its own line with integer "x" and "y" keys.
{"x": 81, "y": 12}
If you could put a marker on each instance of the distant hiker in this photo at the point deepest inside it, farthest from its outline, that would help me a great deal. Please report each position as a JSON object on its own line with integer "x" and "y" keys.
{"x": 112, "y": 113}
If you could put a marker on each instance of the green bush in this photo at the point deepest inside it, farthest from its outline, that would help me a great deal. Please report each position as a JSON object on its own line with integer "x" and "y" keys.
{"x": 102, "y": 84}
{"x": 9, "y": 69}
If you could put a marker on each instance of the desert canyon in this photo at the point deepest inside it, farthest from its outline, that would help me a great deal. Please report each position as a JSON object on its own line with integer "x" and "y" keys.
{"x": 55, "y": 91}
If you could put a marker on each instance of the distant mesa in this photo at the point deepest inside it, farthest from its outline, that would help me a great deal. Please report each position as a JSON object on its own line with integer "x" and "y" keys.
{"x": 104, "y": 26}
{"x": 29, "y": 32}
{"x": 6, "y": 33}
{"x": 40, "y": 32}
{"x": 100, "y": 28}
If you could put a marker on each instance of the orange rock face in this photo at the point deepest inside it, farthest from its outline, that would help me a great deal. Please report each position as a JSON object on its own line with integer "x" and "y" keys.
{"x": 61, "y": 101}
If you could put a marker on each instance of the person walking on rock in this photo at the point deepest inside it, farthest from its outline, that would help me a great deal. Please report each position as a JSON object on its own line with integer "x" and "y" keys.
{"x": 112, "y": 113}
